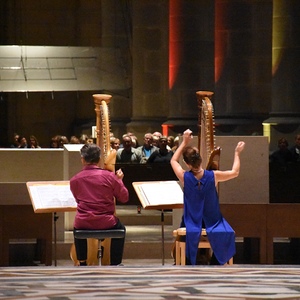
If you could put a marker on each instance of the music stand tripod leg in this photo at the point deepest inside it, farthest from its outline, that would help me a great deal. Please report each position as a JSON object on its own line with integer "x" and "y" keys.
{"x": 162, "y": 237}
{"x": 55, "y": 218}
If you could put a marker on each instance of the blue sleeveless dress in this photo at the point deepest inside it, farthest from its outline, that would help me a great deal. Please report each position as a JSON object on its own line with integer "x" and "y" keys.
{"x": 201, "y": 202}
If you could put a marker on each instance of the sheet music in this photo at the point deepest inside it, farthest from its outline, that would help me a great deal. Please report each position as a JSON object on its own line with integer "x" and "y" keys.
{"x": 162, "y": 193}
{"x": 52, "y": 196}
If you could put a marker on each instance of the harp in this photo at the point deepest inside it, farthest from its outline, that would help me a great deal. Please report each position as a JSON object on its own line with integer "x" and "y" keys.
{"x": 206, "y": 140}
{"x": 206, "y": 132}
{"x": 107, "y": 161}
{"x": 108, "y": 155}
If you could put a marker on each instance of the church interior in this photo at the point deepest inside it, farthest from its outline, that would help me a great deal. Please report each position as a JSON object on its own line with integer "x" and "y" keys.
{"x": 151, "y": 57}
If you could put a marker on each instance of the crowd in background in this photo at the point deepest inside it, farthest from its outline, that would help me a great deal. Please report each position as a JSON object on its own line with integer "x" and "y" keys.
{"x": 284, "y": 154}
{"x": 155, "y": 147}
{"x": 57, "y": 141}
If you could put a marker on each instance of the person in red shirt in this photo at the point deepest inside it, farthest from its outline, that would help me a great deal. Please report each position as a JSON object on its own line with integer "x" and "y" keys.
{"x": 95, "y": 191}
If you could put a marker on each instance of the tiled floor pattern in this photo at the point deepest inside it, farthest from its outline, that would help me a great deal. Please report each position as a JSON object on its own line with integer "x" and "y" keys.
{"x": 154, "y": 282}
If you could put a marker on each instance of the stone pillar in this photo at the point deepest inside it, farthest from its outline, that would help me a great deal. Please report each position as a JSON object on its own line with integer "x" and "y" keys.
{"x": 285, "y": 111}
{"x": 149, "y": 66}
{"x": 116, "y": 34}
{"x": 243, "y": 41}
{"x": 191, "y": 60}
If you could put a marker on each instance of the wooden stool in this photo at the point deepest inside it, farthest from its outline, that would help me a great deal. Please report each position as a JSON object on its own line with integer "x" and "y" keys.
{"x": 100, "y": 235}
{"x": 180, "y": 245}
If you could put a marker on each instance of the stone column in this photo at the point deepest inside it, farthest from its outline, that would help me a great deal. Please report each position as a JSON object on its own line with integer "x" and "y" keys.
{"x": 116, "y": 35}
{"x": 285, "y": 111}
{"x": 149, "y": 66}
{"x": 191, "y": 60}
{"x": 243, "y": 31}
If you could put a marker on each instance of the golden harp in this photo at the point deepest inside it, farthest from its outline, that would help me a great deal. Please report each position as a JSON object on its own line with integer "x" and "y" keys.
{"x": 107, "y": 161}
{"x": 206, "y": 132}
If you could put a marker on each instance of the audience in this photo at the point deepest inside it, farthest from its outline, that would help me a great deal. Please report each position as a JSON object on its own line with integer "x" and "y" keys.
{"x": 54, "y": 143}
{"x": 33, "y": 142}
{"x": 63, "y": 140}
{"x": 295, "y": 150}
{"x": 128, "y": 154}
{"x": 147, "y": 149}
{"x": 114, "y": 143}
{"x": 74, "y": 140}
{"x": 22, "y": 142}
{"x": 162, "y": 155}
{"x": 15, "y": 143}
{"x": 282, "y": 155}
{"x": 155, "y": 148}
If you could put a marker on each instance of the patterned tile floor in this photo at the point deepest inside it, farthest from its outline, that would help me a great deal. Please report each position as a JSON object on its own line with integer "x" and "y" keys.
{"x": 150, "y": 280}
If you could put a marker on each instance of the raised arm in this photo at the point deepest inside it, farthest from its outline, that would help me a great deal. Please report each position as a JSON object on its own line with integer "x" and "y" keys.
{"x": 234, "y": 172}
{"x": 178, "y": 170}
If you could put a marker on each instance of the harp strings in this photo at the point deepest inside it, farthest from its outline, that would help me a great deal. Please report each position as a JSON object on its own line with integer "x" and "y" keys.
{"x": 105, "y": 124}
{"x": 206, "y": 135}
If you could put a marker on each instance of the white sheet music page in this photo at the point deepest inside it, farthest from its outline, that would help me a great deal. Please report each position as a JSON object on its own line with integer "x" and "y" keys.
{"x": 162, "y": 193}
{"x": 52, "y": 196}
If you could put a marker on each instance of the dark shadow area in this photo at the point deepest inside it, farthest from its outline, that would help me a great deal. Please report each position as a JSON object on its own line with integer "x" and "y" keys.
{"x": 144, "y": 172}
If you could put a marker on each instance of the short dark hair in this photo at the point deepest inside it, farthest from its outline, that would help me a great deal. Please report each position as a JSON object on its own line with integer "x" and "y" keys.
{"x": 90, "y": 153}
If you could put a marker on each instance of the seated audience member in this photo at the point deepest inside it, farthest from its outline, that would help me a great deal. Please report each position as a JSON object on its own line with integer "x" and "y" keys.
{"x": 155, "y": 141}
{"x": 54, "y": 143}
{"x": 176, "y": 143}
{"x": 134, "y": 139}
{"x": 156, "y": 136}
{"x": 295, "y": 150}
{"x": 128, "y": 154}
{"x": 33, "y": 142}
{"x": 74, "y": 140}
{"x": 147, "y": 149}
{"x": 22, "y": 142}
{"x": 170, "y": 142}
{"x": 282, "y": 155}
{"x": 95, "y": 191}
{"x": 91, "y": 140}
{"x": 162, "y": 155}
{"x": 201, "y": 203}
{"x": 115, "y": 143}
{"x": 135, "y": 142}
{"x": 83, "y": 138}
{"x": 15, "y": 143}
{"x": 63, "y": 140}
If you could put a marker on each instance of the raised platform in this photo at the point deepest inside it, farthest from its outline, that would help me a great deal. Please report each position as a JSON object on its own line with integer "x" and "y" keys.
{"x": 144, "y": 240}
{"x": 143, "y": 234}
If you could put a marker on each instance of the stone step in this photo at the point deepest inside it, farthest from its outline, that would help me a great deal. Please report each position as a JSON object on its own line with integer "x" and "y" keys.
{"x": 142, "y": 241}
{"x": 133, "y": 250}
{"x": 143, "y": 234}
{"x": 129, "y": 215}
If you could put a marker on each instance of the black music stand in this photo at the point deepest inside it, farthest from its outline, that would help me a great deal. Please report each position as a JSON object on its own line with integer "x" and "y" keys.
{"x": 51, "y": 197}
{"x": 147, "y": 192}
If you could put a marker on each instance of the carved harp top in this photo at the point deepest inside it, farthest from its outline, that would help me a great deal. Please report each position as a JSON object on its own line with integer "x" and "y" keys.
{"x": 108, "y": 156}
{"x": 206, "y": 139}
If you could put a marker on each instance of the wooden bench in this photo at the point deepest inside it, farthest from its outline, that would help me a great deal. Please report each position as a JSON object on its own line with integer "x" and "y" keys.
{"x": 180, "y": 245}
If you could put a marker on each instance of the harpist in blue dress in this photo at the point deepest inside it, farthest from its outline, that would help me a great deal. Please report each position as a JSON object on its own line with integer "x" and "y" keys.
{"x": 201, "y": 202}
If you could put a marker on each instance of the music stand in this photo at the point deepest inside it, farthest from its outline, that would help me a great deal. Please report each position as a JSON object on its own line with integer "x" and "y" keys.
{"x": 51, "y": 197}
{"x": 148, "y": 192}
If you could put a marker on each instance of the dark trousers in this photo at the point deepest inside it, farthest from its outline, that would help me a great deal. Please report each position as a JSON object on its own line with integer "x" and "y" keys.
{"x": 116, "y": 248}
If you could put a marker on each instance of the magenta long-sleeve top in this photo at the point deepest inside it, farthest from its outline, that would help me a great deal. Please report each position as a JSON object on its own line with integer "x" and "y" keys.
{"x": 95, "y": 190}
